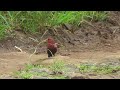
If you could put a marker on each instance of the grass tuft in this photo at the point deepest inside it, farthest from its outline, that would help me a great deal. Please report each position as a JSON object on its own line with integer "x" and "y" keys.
{"x": 33, "y": 21}
{"x": 57, "y": 66}
{"x": 102, "y": 69}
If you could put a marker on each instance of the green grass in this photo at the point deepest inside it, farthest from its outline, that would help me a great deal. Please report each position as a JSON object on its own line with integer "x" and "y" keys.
{"x": 102, "y": 69}
{"x": 26, "y": 73}
{"x": 29, "y": 75}
{"x": 33, "y": 21}
{"x": 30, "y": 66}
{"x": 76, "y": 17}
{"x": 23, "y": 74}
{"x": 57, "y": 66}
{"x": 2, "y": 31}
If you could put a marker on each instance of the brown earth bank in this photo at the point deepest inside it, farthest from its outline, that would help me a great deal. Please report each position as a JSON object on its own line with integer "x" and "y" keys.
{"x": 92, "y": 41}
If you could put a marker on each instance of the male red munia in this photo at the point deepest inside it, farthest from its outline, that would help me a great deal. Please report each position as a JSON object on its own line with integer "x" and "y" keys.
{"x": 51, "y": 47}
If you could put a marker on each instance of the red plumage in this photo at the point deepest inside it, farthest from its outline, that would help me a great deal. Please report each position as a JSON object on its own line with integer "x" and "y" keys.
{"x": 51, "y": 47}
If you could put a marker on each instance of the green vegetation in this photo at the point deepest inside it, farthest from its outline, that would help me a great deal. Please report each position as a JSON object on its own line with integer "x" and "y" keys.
{"x": 57, "y": 66}
{"x": 33, "y": 21}
{"x": 102, "y": 69}
{"x": 28, "y": 73}
{"x": 23, "y": 74}
{"x": 30, "y": 66}
{"x": 31, "y": 71}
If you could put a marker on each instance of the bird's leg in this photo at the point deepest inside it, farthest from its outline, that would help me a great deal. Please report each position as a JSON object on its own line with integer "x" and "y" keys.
{"x": 50, "y": 54}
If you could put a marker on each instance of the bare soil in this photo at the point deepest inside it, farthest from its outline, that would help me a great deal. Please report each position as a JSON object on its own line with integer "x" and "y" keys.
{"x": 92, "y": 42}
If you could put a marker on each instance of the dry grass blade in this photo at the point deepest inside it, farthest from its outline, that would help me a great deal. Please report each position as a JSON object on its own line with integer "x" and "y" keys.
{"x": 44, "y": 34}
{"x": 36, "y": 49}
{"x": 32, "y": 54}
{"x": 18, "y": 49}
{"x": 35, "y": 40}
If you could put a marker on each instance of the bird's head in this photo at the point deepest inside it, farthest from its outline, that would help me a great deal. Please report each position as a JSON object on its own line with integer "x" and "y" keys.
{"x": 50, "y": 40}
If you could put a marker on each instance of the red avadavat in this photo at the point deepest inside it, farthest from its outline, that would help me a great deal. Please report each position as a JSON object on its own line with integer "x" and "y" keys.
{"x": 51, "y": 47}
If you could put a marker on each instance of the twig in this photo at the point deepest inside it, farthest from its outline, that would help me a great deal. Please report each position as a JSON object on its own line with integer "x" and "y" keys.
{"x": 41, "y": 42}
{"x": 44, "y": 34}
{"x": 36, "y": 48}
{"x": 18, "y": 49}
{"x": 33, "y": 54}
{"x": 89, "y": 23}
{"x": 34, "y": 39}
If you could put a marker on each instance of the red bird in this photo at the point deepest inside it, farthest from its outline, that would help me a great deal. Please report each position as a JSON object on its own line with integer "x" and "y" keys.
{"x": 51, "y": 47}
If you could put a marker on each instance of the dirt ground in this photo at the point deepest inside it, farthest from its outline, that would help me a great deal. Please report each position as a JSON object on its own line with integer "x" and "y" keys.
{"x": 92, "y": 42}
